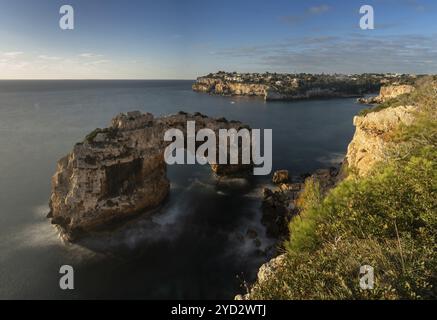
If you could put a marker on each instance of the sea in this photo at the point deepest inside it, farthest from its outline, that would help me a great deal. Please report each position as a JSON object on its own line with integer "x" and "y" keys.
{"x": 196, "y": 246}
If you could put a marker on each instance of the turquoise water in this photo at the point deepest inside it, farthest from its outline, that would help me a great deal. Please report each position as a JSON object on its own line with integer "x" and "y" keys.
{"x": 195, "y": 246}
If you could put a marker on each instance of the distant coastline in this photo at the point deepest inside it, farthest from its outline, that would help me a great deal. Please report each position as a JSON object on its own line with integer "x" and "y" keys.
{"x": 279, "y": 87}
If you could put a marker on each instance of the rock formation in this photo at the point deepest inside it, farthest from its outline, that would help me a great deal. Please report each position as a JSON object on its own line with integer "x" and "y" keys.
{"x": 120, "y": 171}
{"x": 267, "y": 91}
{"x": 388, "y": 92}
{"x": 367, "y": 147}
{"x": 370, "y": 140}
{"x": 266, "y": 271}
{"x": 220, "y": 87}
{"x": 280, "y": 176}
{"x": 279, "y": 206}
{"x": 274, "y": 86}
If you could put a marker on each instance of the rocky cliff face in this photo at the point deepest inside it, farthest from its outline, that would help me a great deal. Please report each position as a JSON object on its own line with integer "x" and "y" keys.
{"x": 270, "y": 93}
{"x": 265, "y": 272}
{"x": 120, "y": 171}
{"x": 220, "y": 87}
{"x": 279, "y": 205}
{"x": 388, "y": 92}
{"x": 371, "y": 136}
{"x": 367, "y": 147}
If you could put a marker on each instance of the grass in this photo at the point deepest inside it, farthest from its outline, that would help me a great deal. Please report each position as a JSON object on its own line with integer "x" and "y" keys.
{"x": 424, "y": 87}
{"x": 387, "y": 219}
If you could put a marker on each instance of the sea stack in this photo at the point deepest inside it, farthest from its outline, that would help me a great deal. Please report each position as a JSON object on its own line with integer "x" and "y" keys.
{"x": 119, "y": 171}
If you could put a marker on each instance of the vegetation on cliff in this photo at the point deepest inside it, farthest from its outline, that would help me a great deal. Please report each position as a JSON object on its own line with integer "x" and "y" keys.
{"x": 274, "y": 86}
{"x": 424, "y": 89}
{"x": 387, "y": 220}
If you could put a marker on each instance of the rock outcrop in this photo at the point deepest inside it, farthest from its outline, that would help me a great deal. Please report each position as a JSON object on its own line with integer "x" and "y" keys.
{"x": 120, "y": 171}
{"x": 274, "y": 92}
{"x": 279, "y": 206}
{"x": 266, "y": 271}
{"x": 220, "y": 87}
{"x": 280, "y": 176}
{"x": 370, "y": 141}
{"x": 388, "y": 92}
{"x": 368, "y": 146}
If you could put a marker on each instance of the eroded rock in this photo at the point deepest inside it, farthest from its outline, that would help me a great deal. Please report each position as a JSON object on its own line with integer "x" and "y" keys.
{"x": 280, "y": 205}
{"x": 119, "y": 171}
{"x": 371, "y": 136}
{"x": 388, "y": 92}
{"x": 280, "y": 176}
{"x": 265, "y": 272}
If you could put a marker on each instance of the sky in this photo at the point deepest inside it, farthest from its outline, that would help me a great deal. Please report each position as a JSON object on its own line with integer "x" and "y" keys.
{"x": 183, "y": 39}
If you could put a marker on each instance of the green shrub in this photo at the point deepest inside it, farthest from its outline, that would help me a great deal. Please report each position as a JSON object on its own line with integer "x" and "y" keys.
{"x": 91, "y": 136}
{"x": 423, "y": 95}
{"x": 387, "y": 219}
{"x": 303, "y": 237}
{"x": 333, "y": 272}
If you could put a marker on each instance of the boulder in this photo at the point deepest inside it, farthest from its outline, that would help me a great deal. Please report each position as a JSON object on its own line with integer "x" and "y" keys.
{"x": 280, "y": 176}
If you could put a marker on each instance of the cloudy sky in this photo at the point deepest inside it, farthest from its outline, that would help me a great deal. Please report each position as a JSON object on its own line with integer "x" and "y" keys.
{"x": 174, "y": 39}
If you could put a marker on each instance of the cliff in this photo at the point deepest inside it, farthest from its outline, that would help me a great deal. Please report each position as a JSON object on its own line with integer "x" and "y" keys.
{"x": 372, "y": 134}
{"x": 388, "y": 92}
{"x": 286, "y": 86}
{"x": 266, "y": 91}
{"x": 119, "y": 171}
{"x": 220, "y": 87}
{"x": 368, "y": 147}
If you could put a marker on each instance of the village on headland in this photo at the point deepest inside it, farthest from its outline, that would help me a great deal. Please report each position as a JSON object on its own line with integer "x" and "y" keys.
{"x": 275, "y": 86}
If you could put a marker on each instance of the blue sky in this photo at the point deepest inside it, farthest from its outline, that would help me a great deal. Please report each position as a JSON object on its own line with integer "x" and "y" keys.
{"x": 174, "y": 39}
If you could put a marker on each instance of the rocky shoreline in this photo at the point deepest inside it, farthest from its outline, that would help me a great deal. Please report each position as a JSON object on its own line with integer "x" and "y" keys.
{"x": 386, "y": 93}
{"x": 119, "y": 172}
{"x": 368, "y": 147}
{"x": 290, "y": 87}
{"x": 279, "y": 204}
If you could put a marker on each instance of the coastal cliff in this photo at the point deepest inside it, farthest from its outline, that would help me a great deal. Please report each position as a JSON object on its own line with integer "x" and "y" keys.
{"x": 276, "y": 87}
{"x": 119, "y": 171}
{"x": 220, "y": 87}
{"x": 334, "y": 233}
{"x": 372, "y": 136}
{"x": 271, "y": 92}
{"x": 388, "y": 92}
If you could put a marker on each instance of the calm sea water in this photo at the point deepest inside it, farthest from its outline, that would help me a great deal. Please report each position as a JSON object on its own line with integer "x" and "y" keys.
{"x": 195, "y": 246}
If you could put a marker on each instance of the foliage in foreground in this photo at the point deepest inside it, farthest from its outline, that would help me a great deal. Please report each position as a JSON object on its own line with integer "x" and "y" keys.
{"x": 386, "y": 220}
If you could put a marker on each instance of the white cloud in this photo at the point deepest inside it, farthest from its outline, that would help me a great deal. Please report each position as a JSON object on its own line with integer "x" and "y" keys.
{"x": 97, "y": 62}
{"x": 90, "y": 55}
{"x": 355, "y": 53}
{"x": 44, "y": 57}
{"x": 12, "y": 54}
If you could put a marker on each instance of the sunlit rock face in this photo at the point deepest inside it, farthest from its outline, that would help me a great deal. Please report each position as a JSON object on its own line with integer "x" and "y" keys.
{"x": 282, "y": 87}
{"x": 119, "y": 171}
{"x": 220, "y": 87}
{"x": 388, "y": 92}
{"x": 372, "y": 136}
{"x": 265, "y": 272}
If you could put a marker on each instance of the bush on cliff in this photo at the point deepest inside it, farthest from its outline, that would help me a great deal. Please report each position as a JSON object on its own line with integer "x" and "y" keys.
{"x": 387, "y": 220}
{"x": 425, "y": 90}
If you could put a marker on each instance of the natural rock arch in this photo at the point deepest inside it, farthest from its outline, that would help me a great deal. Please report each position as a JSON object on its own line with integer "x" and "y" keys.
{"x": 120, "y": 171}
